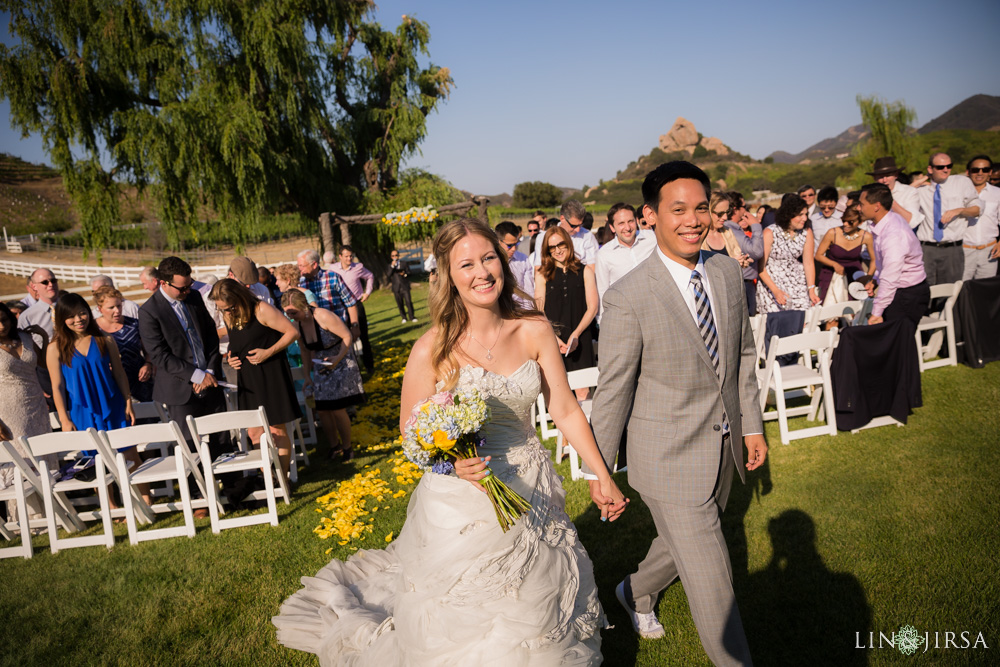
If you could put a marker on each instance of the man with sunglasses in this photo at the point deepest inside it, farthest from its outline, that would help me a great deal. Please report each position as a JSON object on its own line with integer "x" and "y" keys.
{"x": 980, "y": 244}
{"x": 949, "y": 203}
{"x": 534, "y": 226}
{"x": 524, "y": 272}
{"x": 44, "y": 286}
{"x": 826, "y": 216}
{"x": 808, "y": 194}
{"x": 571, "y": 216}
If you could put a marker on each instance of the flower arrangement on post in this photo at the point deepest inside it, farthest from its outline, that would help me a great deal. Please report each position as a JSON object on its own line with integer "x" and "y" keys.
{"x": 447, "y": 425}
{"x": 413, "y": 214}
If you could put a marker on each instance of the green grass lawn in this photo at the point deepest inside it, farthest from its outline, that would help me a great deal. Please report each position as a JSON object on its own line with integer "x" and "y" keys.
{"x": 835, "y": 536}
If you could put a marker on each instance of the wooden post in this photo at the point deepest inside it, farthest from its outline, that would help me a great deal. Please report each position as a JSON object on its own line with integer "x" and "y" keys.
{"x": 326, "y": 232}
{"x": 481, "y": 202}
{"x": 345, "y": 234}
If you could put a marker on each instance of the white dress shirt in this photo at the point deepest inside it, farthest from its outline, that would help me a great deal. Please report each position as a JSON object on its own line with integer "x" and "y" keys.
{"x": 906, "y": 196}
{"x": 198, "y": 376}
{"x": 614, "y": 260}
{"x": 956, "y": 192}
{"x": 584, "y": 244}
{"x": 821, "y": 225}
{"x": 39, "y": 313}
{"x": 985, "y": 228}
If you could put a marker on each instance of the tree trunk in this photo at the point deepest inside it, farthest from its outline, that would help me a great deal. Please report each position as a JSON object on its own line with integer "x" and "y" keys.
{"x": 326, "y": 232}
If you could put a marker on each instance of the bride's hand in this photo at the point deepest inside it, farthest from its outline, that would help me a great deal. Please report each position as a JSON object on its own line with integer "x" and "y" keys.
{"x": 473, "y": 470}
{"x": 617, "y": 500}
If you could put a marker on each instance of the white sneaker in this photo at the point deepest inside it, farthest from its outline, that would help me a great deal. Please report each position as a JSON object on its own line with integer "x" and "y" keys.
{"x": 645, "y": 624}
{"x": 404, "y": 320}
{"x": 414, "y": 319}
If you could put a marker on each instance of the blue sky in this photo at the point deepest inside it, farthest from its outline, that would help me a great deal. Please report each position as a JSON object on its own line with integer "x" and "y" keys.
{"x": 571, "y": 92}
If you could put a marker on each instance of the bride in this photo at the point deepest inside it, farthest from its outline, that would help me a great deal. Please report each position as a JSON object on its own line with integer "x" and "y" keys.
{"x": 454, "y": 589}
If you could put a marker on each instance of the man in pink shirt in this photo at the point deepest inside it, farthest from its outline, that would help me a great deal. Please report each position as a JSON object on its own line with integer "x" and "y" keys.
{"x": 360, "y": 282}
{"x": 903, "y": 292}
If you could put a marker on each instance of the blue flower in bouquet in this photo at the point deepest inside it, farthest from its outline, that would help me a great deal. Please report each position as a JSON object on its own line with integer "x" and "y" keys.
{"x": 443, "y": 468}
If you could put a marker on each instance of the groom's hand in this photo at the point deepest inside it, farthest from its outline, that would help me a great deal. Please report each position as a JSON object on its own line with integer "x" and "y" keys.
{"x": 756, "y": 450}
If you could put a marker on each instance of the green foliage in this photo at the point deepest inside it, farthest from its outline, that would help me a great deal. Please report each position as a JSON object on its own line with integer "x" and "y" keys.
{"x": 789, "y": 177}
{"x": 536, "y": 194}
{"x": 769, "y": 160}
{"x": 224, "y": 110}
{"x": 889, "y": 125}
{"x": 700, "y": 152}
{"x": 960, "y": 145}
{"x": 416, "y": 188}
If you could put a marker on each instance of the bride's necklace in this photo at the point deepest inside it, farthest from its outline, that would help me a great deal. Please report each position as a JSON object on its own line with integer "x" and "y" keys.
{"x": 489, "y": 350}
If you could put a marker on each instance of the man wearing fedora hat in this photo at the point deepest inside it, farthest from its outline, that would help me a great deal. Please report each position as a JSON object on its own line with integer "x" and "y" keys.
{"x": 904, "y": 197}
{"x": 244, "y": 271}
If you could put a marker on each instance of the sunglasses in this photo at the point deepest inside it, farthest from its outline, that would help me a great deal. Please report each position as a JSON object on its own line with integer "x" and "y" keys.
{"x": 941, "y": 167}
{"x": 48, "y": 282}
{"x": 228, "y": 310}
{"x": 827, "y": 207}
{"x": 182, "y": 290}
{"x": 722, "y": 213}
{"x": 509, "y": 245}
{"x": 557, "y": 246}
{"x": 981, "y": 170}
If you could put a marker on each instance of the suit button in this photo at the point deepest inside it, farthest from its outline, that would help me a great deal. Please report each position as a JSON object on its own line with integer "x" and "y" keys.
{"x": 716, "y": 428}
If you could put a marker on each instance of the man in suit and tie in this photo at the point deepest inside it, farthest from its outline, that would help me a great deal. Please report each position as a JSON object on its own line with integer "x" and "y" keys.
{"x": 677, "y": 369}
{"x": 180, "y": 339}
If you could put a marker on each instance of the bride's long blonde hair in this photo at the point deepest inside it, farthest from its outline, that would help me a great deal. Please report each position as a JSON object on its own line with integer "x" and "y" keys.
{"x": 448, "y": 313}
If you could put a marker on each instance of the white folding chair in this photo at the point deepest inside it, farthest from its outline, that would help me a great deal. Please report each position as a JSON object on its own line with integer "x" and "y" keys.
{"x": 542, "y": 414}
{"x": 263, "y": 458}
{"x": 146, "y": 412}
{"x": 299, "y": 436}
{"x": 62, "y": 444}
{"x": 19, "y": 492}
{"x": 757, "y": 326}
{"x": 941, "y": 323}
{"x": 796, "y": 376}
{"x": 817, "y": 316}
{"x": 578, "y": 379}
{"x": 176, "y": 466}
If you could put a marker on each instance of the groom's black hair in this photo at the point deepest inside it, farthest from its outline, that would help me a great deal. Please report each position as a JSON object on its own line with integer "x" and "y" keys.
{"x": 667, "y": 173}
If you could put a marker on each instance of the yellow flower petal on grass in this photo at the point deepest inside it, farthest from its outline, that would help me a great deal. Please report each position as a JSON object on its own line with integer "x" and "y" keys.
{"x": 388, "y": 538}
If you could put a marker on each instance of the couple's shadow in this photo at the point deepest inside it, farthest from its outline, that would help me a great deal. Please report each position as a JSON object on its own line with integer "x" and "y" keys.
{"x": 794, "y": 611}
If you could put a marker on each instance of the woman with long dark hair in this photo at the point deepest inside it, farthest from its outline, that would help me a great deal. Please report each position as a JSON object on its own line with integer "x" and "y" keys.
{"x": 258, "y": 336}
{"x": 566, "y": 291}
{"x": 89, "y": 386}
{"x": 453, "y": 588}
{"x": 788, "y": 272}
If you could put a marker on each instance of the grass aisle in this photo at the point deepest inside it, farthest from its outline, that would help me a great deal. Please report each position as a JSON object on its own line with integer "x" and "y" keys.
{"x": 835, "y": 536}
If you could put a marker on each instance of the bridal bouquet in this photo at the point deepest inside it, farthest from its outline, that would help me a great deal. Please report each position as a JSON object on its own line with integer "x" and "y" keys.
{"x": 446, "y": 425}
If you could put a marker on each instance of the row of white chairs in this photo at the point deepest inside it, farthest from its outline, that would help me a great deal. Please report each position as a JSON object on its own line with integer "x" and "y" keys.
{"x": 174, "y": 464}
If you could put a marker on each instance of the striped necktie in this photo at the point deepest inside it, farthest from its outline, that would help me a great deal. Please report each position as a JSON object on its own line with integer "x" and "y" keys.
{"x": 705, "y": 321}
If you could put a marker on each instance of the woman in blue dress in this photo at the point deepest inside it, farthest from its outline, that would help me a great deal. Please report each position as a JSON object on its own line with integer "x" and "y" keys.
{"x": 89, "y": 386}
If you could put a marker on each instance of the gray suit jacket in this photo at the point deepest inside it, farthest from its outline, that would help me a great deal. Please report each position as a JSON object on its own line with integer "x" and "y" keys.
{"x": 656, "y": 378}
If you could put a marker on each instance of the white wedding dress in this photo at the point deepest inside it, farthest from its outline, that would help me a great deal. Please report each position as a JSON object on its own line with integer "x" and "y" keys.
{"x": 454, "y": 589}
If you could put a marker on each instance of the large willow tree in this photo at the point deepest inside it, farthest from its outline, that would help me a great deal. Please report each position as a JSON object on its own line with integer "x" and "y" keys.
{"x": 889, "y": 125}
{"x": 228, "y": 108}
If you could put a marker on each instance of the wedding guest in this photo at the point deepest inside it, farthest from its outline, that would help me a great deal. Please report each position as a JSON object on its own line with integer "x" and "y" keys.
{"x": 534, "y": 226}
{"x": 980, "y": 241}
{"x": 89, "y": 386}
{"x": 571, "y": 216}
{"x": 524, "y": 272}
{"x": 840, "y": 254}
{"x": 788, "y": 273}
{"x": 129, "y": 308}
{"x": 903, "y": 291}
{"x": 720, "y": 238}
{"x": 44, "y": 285}
{"x": 750, "y": 236}
{"x": 266, "y": 278}
{"x": 16, "y": 308}
{"x": 605, "y": 234}
{"x": 22, "y": 403}
{"x": 125, "y": 332}
{"x": 258, "y": 336}
{"x": 360, "y": 282}
{"x": 566, "y": 291}
{"x": 623, "y": 253}
{"x": 244, "y": 271}
{"x": 329, "y": 260}
{"x": 287, "y": 276}
{"x": 399, "y": 276}
{"x": 336, "y": 384}
{"x": 947, "y": 203}
{"x": 808, "y": 194}
{"x": 826, "y": 217}
{"x": 331, "y": 293}
{"x": 148, "y": 278}
{"x": 905, "y": 201}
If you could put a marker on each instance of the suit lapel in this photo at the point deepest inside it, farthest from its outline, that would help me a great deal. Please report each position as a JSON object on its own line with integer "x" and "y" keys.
{"x": 169, "y": 317}
{"x": 720, "y": 310}
{"x": 665, "y": 289}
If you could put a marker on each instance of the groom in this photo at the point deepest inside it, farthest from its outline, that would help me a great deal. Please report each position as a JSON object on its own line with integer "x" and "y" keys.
{"x": 677, "y": 368}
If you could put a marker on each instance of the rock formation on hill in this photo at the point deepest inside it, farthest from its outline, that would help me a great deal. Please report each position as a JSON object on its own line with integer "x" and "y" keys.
{"x": 684, "y": 137}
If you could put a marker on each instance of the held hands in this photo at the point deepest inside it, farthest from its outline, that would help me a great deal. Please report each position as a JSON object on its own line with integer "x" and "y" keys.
{"x": 756, "y": 450}
{"x": 608, "y": 498}
{"x": 473, "y": 470}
